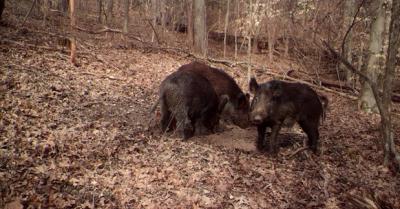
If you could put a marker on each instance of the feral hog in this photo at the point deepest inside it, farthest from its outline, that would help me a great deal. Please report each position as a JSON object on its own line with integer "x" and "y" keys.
{"x": 278, "y": 103}
{"x": 191, "y": 100}
{"x": 237, "y": 108}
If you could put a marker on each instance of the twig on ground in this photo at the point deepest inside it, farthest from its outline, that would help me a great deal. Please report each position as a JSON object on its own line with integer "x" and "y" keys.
{"x": 23, "y": 44}
{"x": 297, "y": 151}
{"x": 326, "y": 177}
{"x": 102, "y": 76}
{"x": 105, "y": 29}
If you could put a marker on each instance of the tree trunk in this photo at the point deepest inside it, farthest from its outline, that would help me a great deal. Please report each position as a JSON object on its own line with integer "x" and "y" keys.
{"x": 349, "y": 12}
{"x": 271, "y": 42}
{"x": 2, "y": 3}
{"x": 190, "y": 22}
{"x": 63, "y": 5}
{"x": 155, "y": 15}
{"x": 200, "y": 39}
{"x": 393, "y": 48}
{"x": 249, "y": 58}
{"x": 126, "y": 20}
{"x": 226, "y": 25}
{"x": 236, "y": 29}
{"x": 72, "y": 12}
{"x": 100, "y": 10}
{"x": 73, "y": 24}
{"x": 163, "y": 14}
{"x": 109, "y": 12}
{"x": 367, "y": 101}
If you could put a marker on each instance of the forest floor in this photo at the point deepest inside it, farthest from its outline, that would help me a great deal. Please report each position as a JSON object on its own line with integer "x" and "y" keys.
{"x": 77, "y": 137}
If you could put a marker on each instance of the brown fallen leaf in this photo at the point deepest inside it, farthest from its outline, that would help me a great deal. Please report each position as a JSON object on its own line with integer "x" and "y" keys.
{"x": 16, "y": 204}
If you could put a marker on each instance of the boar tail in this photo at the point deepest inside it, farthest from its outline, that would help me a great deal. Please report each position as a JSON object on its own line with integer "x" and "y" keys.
{"x": 154, "y": 106}
{"x": 324, "y": 102}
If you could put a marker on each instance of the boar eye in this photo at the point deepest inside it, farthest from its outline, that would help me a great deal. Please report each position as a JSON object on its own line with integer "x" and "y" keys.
{"x": 255, "y": 99}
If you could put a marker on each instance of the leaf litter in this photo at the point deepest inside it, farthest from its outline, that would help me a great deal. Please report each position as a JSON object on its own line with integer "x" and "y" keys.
{"x": 76, "y": 138}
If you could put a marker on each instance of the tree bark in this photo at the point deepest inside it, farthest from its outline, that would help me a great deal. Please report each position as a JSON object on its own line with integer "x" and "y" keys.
{"x": 72, "y": 12}
{"x": 190, "y": 22}
{"x": 386, "y": 120}
{"x": 236, "y": 30}
{"x": 100, "y": 11}
{"x": 109, "y": 13}
{"x": 126, "y": 20}
{"x": 271, "y": 43}
{"x": 226, "y": 25}
{"x": 63, "y": 5}
{"x": 154, "y": 20}
{"x": 367, "y": 101}
{"x": 200, "y": 32}
{"x": 73, "y": 24}
{"x": 349, "y": 12}
{"x": 2, "y": 5}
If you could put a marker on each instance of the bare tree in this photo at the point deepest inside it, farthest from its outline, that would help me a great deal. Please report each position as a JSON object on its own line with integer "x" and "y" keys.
{"x": 72, "y": 12}
{"x": 100, "y": 10}
{"x": 383, "y": 100}
{"x": 154, "y": 10}
{"x": 394, "y": 44}
{"x": 109, "y": 11}
{"x": 126, "y": 14}
{"x": 63, "y": 5}
{"x": 226, "y": 25}
{"x": 2, "y": 5}
{"x": 237, "y": 28}
{"x": 349, "y": 11}
{"x": 200, "y": 32}
{"x": 367, "y": 101}
{"x": 73, "y": 24}
{"x": 190, "y": 21}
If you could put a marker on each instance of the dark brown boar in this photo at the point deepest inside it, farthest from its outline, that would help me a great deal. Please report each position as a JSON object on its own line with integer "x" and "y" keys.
{"x": 278, "y": 103}
{"x": 192, "y": 101}
{"x": 237, "y": 108}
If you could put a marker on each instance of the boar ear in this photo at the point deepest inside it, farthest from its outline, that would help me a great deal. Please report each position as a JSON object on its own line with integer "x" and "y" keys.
{"x": 243, "y": 99}
{"x": 222, "y": 102}
{"x": 253, "y": 85}
{"x": 277, "y": 89}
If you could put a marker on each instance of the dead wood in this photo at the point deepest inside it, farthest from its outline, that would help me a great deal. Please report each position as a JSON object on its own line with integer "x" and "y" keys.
{"x": 103, "y": 76}
{"x": 105, "y": 29}
{"x": 296, "y": 152}
{"x": 23, "y": 44}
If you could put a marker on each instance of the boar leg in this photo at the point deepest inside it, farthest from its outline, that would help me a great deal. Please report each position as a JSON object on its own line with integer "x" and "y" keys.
{"x": 165, "y": 116}
{"x": 311, "y": 129}
{"x": 185, "y": 124}
{"x": 273, "y": 142}
{"x": 201, "y": 129}
{"x": 261, "y": 136}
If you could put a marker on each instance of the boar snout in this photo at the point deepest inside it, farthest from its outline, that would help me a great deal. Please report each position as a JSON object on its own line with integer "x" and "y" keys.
{"x": 256, "y": 119}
